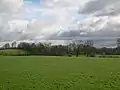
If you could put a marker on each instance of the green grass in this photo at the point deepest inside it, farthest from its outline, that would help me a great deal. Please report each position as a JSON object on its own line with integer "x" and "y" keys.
{"x": 10, "y": 52}
{"x": 59, "y": 73}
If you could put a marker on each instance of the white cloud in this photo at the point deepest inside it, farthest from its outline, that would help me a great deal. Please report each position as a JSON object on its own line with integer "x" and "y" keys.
{"x": 58, "y": 16}
{"x": 59, "y": 19}
{"x": 10, "y": 5}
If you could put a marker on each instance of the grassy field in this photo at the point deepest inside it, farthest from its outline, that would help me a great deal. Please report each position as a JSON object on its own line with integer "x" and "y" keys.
{"x": 10, "y": 52}
{"x": 59, "y": 73}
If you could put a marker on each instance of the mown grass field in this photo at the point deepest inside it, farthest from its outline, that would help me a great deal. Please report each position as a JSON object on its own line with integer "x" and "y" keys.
{"x": 59, "y": 73}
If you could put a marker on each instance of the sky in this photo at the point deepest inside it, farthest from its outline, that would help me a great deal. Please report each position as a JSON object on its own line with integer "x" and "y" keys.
{"x": 60, "y": 20}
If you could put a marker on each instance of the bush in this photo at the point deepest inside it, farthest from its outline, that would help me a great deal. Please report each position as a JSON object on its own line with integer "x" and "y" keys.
{"x": 69, "y": 55}
{"x": 91, "y": 55}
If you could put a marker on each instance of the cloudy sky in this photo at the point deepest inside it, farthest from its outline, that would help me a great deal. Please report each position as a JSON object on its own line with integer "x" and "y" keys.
{"x": 60, "y": 20}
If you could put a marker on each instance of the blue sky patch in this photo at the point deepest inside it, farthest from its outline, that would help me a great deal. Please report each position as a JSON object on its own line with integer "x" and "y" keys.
{"x": 32, "y": 1}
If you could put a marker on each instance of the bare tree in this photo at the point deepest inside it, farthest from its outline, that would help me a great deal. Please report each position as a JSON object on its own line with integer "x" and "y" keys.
{"x": 89, "y": 43}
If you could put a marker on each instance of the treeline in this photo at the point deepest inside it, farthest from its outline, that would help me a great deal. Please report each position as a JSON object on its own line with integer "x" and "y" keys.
{"x": 62, "y": 50}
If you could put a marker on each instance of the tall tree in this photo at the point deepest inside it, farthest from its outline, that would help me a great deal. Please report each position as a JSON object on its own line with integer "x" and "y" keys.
{"x": 13, "y": 45}
{"x": 24, "y": 45}
{"x": 6, "y": 46}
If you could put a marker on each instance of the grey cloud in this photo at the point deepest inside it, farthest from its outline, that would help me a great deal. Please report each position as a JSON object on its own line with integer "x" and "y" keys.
{"x": 100, "y": 38}
{"x": 62, "y": 3}
{"x": 8, "y": 6}
{"x": 101, "y": 7}
{"x": 101, "y": 28}
{"x": 110, "y": 11}
{"x": 10, "y": 10}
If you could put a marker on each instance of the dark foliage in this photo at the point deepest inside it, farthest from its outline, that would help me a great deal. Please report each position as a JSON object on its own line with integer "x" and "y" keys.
{"x": 62, "y": 50}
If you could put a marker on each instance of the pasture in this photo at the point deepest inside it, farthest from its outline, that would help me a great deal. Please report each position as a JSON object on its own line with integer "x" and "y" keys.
{"x": 59, "y": 73}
